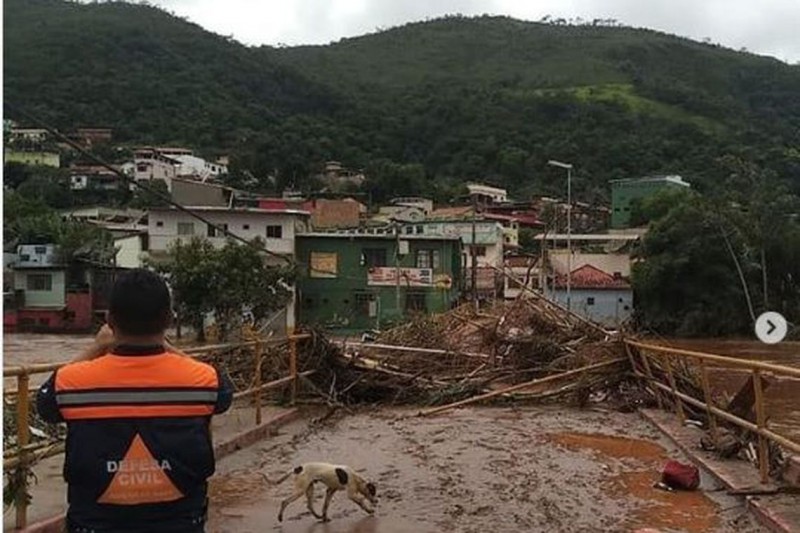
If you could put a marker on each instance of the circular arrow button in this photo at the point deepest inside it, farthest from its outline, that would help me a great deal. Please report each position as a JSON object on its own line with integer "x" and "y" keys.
{"x": 771, "y": 327}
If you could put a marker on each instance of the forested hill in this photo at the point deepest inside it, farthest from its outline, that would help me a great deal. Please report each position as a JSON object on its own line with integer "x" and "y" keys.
{"x": 422, "y": 107}
{"x": 147, "y": 74}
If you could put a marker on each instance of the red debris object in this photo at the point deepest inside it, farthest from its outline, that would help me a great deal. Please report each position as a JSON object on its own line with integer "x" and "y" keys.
{"x": 680, "y": 476}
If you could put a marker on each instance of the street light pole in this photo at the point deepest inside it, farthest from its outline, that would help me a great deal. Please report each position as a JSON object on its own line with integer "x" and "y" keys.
{"x": 567, "y": 166}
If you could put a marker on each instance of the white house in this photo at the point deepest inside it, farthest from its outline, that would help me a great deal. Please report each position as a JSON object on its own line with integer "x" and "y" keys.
{"x": 277, "y": 227}
{"x": 153, "y": 164}
{"x": 487, "y": 194}
{"x": 488, "y": 246}
{"x": 197, "y": 167}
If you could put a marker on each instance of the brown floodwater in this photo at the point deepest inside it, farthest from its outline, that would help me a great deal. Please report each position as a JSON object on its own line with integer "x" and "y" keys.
{"x": 783, "y": 394}
{"x": 690, "y": 511}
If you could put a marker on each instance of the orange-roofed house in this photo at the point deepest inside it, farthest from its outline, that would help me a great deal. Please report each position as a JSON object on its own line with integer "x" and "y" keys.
{"x": 597, "y": 295}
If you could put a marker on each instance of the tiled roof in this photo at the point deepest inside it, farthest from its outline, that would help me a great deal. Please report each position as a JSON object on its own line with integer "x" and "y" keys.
{"x": 590, "y": 277}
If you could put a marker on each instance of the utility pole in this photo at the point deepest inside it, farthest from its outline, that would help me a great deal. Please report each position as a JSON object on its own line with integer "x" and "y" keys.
{"x": 397, "y": 266}
{"x": 568, "y": 167}
{"x": 473, "y": 254}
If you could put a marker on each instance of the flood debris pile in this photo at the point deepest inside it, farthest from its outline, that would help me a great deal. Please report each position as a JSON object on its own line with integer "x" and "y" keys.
{"x": 467, "y": 354}
{"x": 40, "y": 432}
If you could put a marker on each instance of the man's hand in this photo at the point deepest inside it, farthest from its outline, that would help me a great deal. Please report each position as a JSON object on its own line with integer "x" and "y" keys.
{"x": 103, "y": 342}
{"x": 105, "y": 338}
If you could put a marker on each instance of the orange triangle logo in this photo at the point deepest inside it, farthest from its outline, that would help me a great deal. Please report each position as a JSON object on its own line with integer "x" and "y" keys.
{"x": 139, "y": 478}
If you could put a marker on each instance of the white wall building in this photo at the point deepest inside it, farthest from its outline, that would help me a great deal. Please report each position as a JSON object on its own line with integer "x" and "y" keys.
{"x": 153, "y": 164}
{"x": 277, "y": 227}
{"x": 487, "y": 194}
{"x": 489, "y": 238}
{"x": 197, "y": 167}
{"x": 618, "y": 264}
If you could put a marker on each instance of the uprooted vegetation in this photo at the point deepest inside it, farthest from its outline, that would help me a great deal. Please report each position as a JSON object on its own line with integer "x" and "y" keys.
{"x": 433, "y": 360}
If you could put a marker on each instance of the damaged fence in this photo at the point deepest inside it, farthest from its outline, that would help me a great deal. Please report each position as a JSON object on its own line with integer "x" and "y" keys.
{"x": 255, "y": 366}
{"x": 679, "y": 380}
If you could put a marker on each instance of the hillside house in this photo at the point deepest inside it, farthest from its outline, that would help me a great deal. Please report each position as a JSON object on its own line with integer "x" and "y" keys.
{"x": 602, "y": 297}
{"x": 522, "y": 275}
{"x": 94, "y": 177}
{"x": 35, "y": 158}
{"x": 356, "y": 280}
{"x": 335, "y": 175}
{"x": 50, "y": 296}
{"x": 198, "y": 168}
{"x": 155, "y": 164}
{"x": 486, "y": 194}
{"x": 276, "y": 227}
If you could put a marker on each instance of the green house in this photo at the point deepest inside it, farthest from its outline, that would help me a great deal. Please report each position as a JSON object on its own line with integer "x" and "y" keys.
{"x": 354, "y": 281}
{"x": 625, "y": 191}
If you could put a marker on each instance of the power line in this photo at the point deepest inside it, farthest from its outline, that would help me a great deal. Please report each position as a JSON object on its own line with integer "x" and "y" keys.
{"x": 131, "y": 181}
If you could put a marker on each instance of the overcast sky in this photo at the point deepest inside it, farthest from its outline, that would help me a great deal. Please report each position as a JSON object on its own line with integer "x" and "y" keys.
{"x": 768, "y": 27}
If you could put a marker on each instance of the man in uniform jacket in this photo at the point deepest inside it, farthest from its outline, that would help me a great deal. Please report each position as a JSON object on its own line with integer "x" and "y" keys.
{"x": 138, "y": 415}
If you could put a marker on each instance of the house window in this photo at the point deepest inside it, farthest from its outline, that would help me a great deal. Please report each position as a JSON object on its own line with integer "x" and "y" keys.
{"x": 415, "y": 302}
{"x": 40, "y": 282}
{"x": 214, "y": 232}
{"x": 274, "y": 232}
{"x": 409, "y": 230}
{"x": 159, "y": 224}
{"x": 40, "y": 250}
{"x": 365, "y": 304}
{"x": 480, "y": 251}
{"x": 185, "y": 228}
{"x": 24, "y": 257}
{"x": 373, "y": 257}
{"x": 419, "y": 230}
{"x": 428, "y": 259}
{"x": 590, "y": 300}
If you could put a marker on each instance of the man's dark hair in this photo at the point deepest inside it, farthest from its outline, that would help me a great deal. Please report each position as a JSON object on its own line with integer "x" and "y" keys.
{"x": 140, "y": 303}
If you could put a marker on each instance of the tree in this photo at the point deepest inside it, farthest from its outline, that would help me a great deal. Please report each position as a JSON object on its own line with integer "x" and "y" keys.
{"x": 225, "y": 282}
{"x": 685, "y": 282}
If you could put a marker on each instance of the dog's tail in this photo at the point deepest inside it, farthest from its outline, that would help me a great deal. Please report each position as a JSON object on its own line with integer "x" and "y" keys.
{"x": 277, "y": 481}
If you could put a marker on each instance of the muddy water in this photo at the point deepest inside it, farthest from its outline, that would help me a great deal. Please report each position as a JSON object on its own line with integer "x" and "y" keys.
{"x": 692, "y": 512}
{"x": 473, "y": 471}
{"x": 782, "y": 396}
{"x": 30, "y": 348}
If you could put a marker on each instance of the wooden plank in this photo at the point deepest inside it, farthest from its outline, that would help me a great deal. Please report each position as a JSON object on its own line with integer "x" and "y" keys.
{"x": 725, "y": 361}
{"x": 743, "y": 401}
{"x": 413, "y": 349}
{"x": 527, "y": 384}
{"x": 761, "y": 422}
{"x": 23, "y": 439}
{"x": 712, "y": 422}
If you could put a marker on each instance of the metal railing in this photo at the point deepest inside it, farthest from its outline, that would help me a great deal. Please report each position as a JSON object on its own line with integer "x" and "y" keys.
{"x": 24, "y": 455}
{"x": 649, "y": 359}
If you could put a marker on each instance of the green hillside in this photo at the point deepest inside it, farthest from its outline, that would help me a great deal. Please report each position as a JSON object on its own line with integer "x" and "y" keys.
{"x": 147, "y": 74}
{"x": 422, "y": 107}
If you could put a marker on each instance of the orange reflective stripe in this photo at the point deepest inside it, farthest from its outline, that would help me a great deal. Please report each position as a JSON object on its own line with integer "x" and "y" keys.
{"x": 115, "y": 371}
{"x": 135, "y": 411}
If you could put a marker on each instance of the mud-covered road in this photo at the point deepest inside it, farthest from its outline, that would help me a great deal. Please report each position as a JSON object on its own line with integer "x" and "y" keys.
{"x": 477, "y": 470}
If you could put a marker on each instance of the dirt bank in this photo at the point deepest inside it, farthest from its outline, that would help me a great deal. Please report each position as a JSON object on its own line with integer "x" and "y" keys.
{"x": 477, "y": 470}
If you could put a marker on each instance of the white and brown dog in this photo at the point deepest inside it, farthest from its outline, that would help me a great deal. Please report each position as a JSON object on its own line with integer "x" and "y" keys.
{"x": 335, "y": 478}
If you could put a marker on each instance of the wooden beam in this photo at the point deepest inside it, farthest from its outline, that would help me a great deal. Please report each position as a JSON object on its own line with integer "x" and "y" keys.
{"x": 520, "y": 386}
